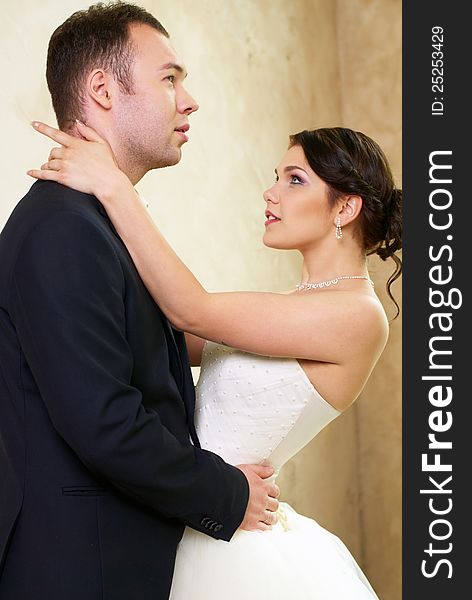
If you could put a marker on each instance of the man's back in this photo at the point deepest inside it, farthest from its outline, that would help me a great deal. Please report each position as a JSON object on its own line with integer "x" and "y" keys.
{"x": 96, "y": 413}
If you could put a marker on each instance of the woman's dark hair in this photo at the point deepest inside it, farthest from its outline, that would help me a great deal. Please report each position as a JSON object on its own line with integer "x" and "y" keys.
{"x": 97, "y": 37}
{"x": 351, "y": 163}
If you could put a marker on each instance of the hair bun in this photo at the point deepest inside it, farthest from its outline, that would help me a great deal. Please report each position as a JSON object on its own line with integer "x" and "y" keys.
{"x": 384, "y": 252}
{"x": 393, "y": 225}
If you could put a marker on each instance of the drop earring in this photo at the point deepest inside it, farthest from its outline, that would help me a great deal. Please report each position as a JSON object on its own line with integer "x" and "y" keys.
{"x": 339, "y": 231}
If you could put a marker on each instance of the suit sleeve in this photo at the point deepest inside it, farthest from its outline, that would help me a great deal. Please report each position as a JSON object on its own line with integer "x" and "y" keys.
{"x": 67, "y": 306}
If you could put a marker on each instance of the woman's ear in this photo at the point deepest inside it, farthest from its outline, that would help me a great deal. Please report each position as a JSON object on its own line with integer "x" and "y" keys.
{"x": 349, "y": 210}
{"x": 98, "y": 88}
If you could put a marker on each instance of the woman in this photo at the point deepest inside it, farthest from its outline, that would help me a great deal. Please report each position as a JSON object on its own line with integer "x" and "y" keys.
{"x": 276, "y": 368}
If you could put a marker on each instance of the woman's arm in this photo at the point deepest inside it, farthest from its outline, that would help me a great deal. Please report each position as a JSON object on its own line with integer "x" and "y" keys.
{"x": 320, "y": 327}
{"x": 195, "y": 348}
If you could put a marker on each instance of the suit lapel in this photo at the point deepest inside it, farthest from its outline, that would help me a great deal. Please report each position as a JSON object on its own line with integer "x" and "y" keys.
{"x": 188, "y": 388}
{"x": 177, "y": 352}
{"x": 174, "y": 355}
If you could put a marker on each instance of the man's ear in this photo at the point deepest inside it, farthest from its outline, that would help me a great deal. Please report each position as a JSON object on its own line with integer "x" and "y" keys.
{"x": 350, "y": 209}
{"x": 98, "y": 88}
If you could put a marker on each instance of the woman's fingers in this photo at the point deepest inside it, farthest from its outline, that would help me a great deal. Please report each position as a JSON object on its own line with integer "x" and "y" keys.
{"x": 272, "y": 504}
{"x": 52, "y": 165}
{"x": 57, "y": 153}
{"x": 270, "y": 518}
{"x": 55, "y": 134}
{"x": 48, "y": 171}
{"x": 84, "y": 161}
{"x": 88, "y": 133}
{"x": 64, "y": 138}
{"x": 43, "y": 174}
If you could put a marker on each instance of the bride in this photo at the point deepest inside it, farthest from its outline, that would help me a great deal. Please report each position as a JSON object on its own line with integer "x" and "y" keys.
{"x": 276, "y": 368}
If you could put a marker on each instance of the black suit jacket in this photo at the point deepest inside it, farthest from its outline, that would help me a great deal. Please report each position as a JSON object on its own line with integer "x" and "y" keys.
{"x": 98, "y": 475}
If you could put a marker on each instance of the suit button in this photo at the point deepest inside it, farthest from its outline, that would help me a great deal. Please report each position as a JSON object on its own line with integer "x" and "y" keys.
{"x": 218, "y": 528}
{"x": 208, "y": 522}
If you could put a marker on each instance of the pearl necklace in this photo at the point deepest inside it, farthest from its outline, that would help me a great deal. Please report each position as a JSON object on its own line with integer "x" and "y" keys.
{"x": 328, "y": 282}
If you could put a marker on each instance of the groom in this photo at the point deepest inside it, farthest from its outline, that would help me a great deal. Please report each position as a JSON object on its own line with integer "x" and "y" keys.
{"x": 100, "y": 465}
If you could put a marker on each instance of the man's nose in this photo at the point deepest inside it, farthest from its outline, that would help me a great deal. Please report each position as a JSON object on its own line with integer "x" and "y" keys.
{"x": 186, "y": 103}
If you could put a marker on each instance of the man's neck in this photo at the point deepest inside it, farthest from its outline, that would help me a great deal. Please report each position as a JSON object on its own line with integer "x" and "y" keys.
{"x": 133, "y": 171}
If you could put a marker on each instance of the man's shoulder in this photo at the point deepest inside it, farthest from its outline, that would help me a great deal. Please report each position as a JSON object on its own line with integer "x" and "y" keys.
{"x": 48, "y": 197}
{"x": 46, "y": 210}
{"x": 49, "y": 201}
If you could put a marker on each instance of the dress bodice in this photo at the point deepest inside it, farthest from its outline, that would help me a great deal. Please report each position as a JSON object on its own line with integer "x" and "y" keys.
{"x": 256, "y": 409}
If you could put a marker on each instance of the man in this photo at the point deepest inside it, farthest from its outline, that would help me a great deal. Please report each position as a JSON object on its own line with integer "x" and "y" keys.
{"x": 99, "y": 459}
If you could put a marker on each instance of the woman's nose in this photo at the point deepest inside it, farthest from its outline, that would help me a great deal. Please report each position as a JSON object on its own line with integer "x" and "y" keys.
{"x": 269, "y": 195}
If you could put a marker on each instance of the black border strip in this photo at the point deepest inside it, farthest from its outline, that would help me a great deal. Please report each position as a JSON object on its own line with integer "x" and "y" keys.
{"x": 436, "y": 400}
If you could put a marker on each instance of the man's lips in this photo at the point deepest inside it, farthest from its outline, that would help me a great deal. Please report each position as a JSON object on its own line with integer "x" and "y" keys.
{"x": 182, "y": 131}
{"x": 183, "y": 128}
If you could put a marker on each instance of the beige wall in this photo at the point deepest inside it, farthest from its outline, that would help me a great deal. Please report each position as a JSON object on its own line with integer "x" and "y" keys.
{"x": 354, "y": 487}
{"x": 369, "y": 34}
{"x": 260, "y": 69}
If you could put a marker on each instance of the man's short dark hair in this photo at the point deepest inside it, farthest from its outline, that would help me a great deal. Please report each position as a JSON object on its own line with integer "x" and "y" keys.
{"x": 90, "y": 39}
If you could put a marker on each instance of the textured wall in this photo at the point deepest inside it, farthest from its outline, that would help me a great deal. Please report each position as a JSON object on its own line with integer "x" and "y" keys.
{"x": 369, "y": 35}
{"x": 354, "y": 466}
{"x": 260, "y": 69}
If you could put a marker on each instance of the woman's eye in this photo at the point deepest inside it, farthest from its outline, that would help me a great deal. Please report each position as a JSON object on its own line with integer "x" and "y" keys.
{"x": 171, "y": 78}
{"x": 295, "y": 179}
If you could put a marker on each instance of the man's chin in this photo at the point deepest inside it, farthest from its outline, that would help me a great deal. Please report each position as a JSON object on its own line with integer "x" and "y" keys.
{"x": 176, "y": 159}
{"x": 171, "y": 159}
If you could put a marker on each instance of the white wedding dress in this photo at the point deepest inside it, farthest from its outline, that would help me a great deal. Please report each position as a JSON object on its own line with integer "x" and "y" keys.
{"x": 255, "y": 409}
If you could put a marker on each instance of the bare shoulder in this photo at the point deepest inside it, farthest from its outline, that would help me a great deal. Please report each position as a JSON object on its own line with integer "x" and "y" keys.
{"x": 357, "y": 320}
{"x": 367, "y": 319}
{"x": 365, "y": 308}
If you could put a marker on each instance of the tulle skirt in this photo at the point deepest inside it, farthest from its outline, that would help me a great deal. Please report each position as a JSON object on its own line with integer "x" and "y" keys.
{"x": 296, "y": 560}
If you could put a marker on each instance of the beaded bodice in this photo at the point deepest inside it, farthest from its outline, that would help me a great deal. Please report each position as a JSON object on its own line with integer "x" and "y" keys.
{"x": 256, "y": 409}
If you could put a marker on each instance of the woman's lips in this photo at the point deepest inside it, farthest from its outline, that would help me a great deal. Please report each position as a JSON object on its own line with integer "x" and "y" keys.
{"x": 272, "y": 220}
